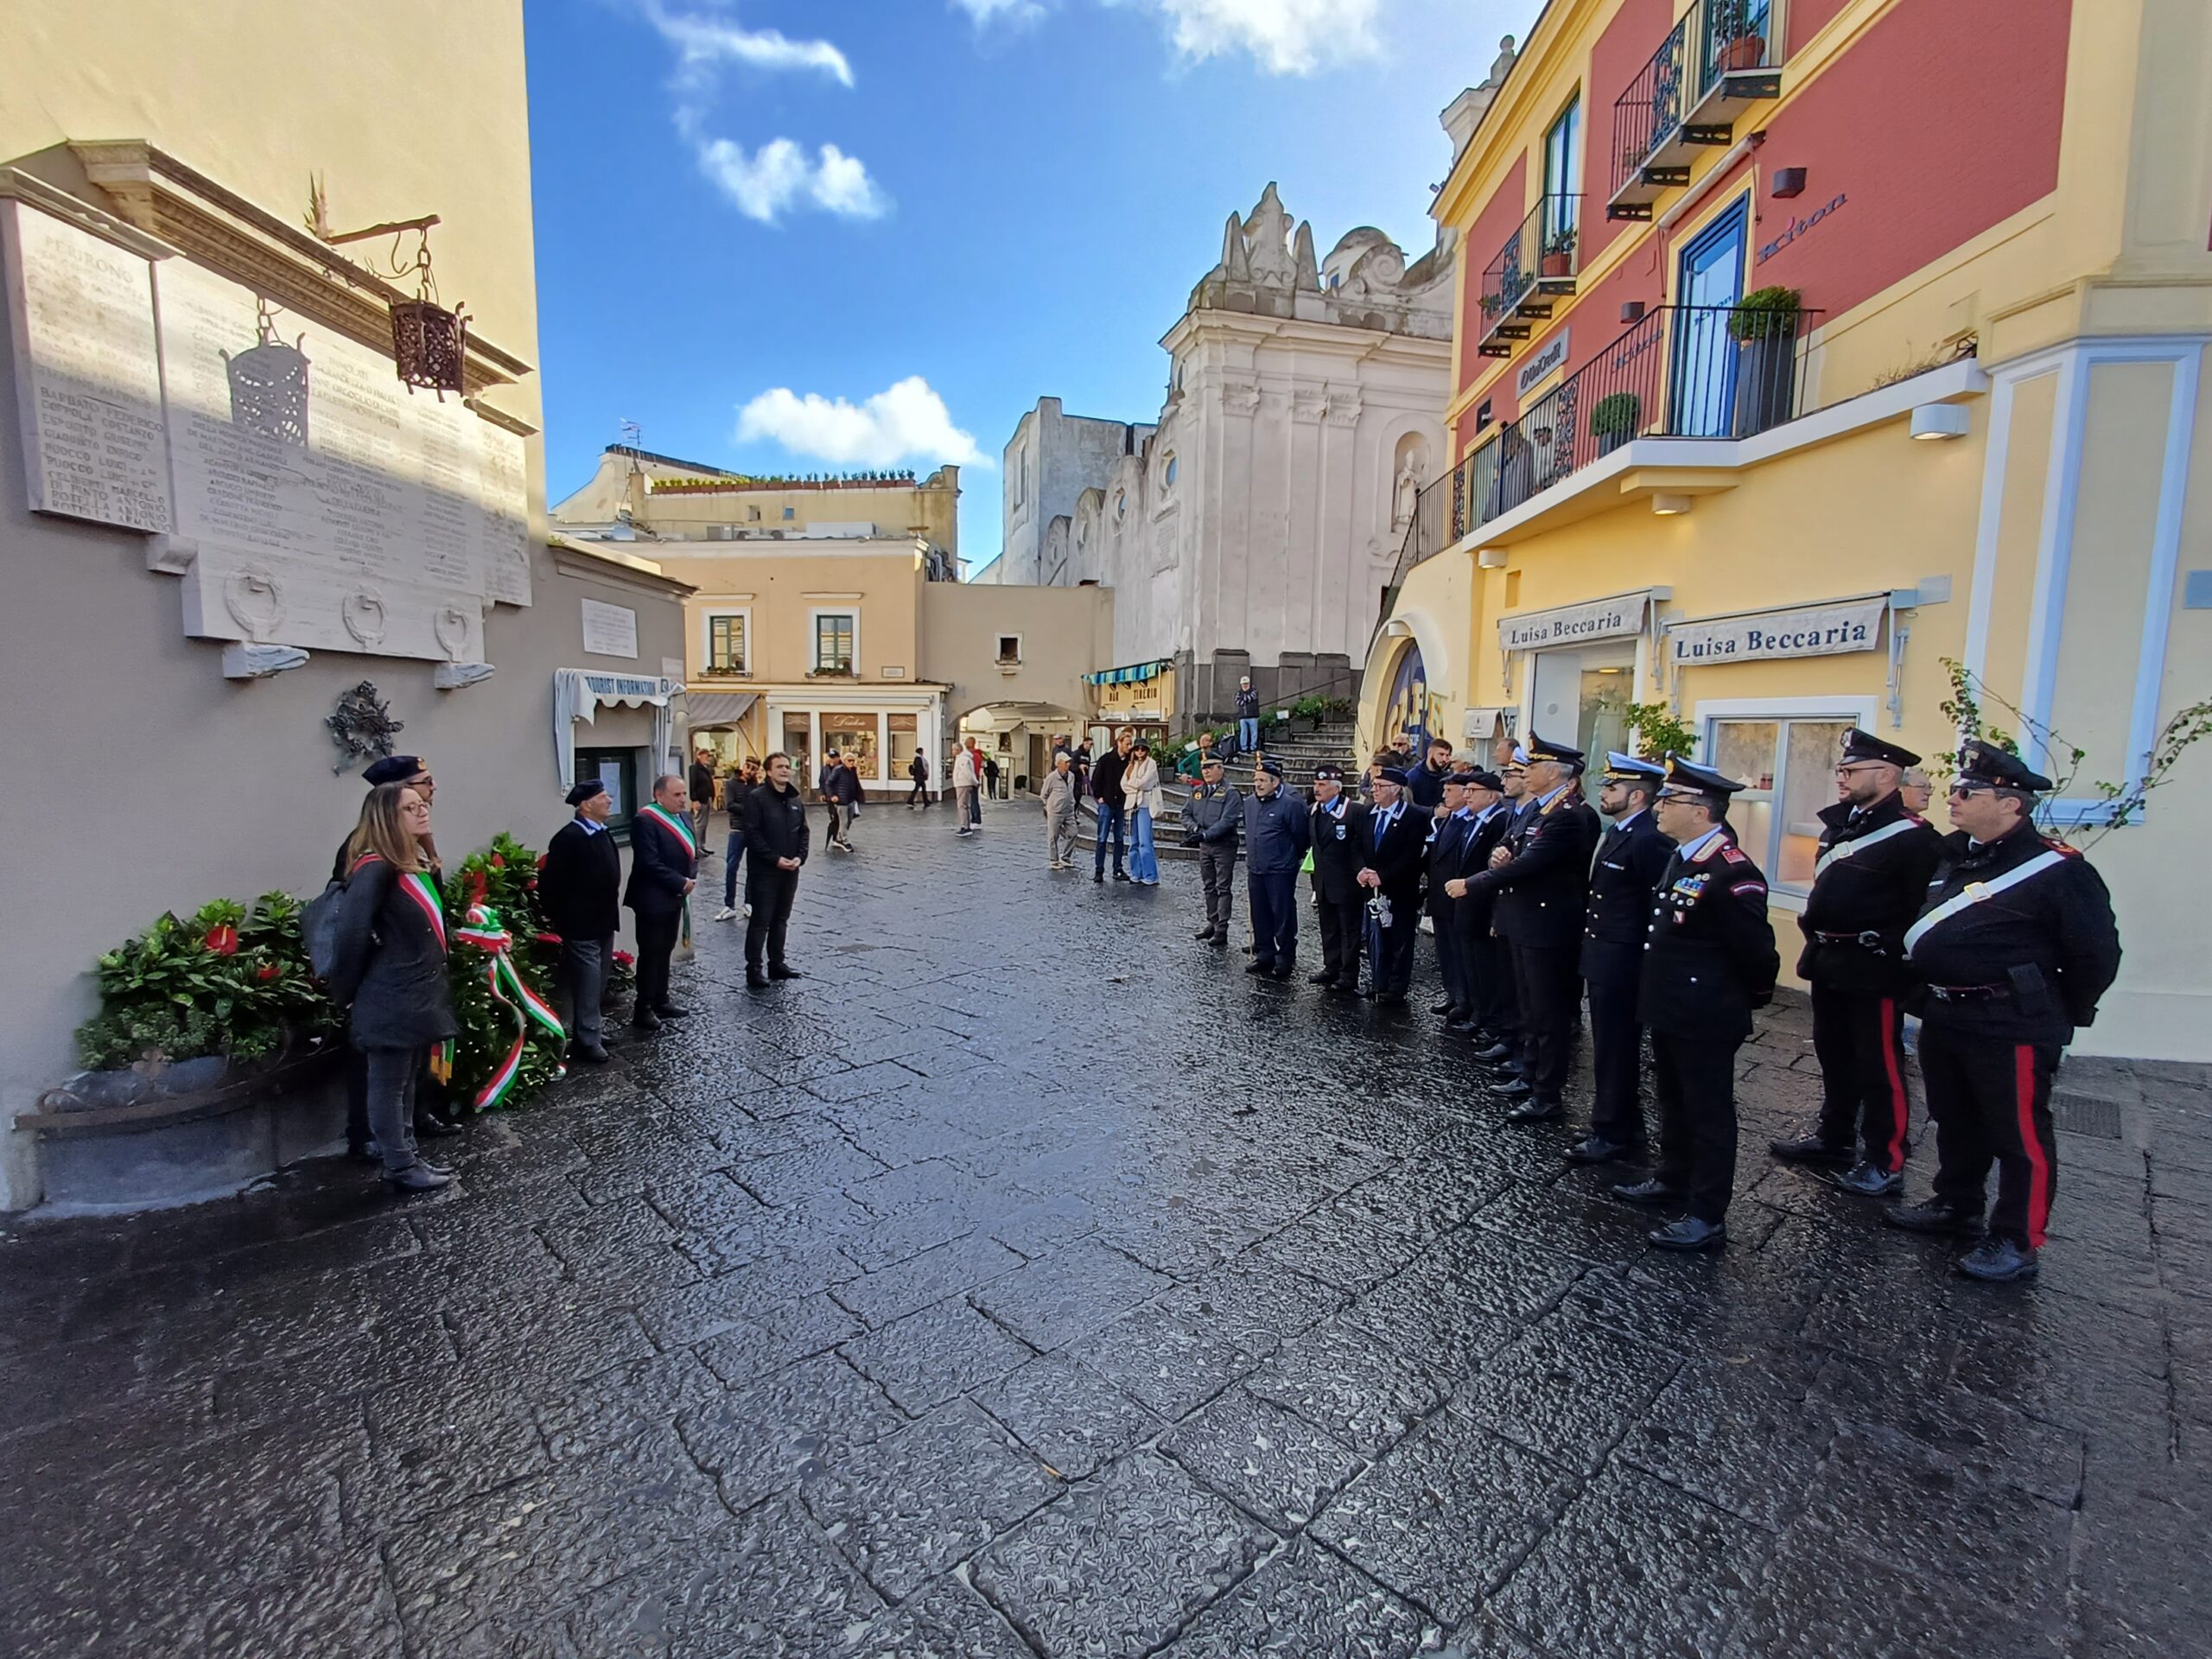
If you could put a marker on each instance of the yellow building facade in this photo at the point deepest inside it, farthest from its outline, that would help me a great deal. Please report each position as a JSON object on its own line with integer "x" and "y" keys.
{"x": 1973, "y": 437}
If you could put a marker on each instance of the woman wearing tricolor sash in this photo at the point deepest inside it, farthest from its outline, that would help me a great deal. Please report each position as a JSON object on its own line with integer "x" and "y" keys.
{"x": 390, "y": 967}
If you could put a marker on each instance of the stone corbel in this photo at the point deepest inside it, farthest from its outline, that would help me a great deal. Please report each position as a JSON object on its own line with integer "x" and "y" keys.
{"x": 242, "y": 661}
{"x": 453, "y": 676}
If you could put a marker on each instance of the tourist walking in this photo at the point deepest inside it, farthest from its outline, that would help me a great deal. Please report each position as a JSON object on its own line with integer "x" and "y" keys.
{"x": 664, "y": 869}
{"x": 1247, "y": 715}
{"x": 1339, "y": 830}
{"x": 701, "y": 787}
{"x": 775, "y": 841}
{"x": 1211, "y": 821}
{"x": 918, "y": 770}
{"x": 846, "y": 794}
{"x": 1141, "y": 796}
{"x": 1276, "y": 835}
{"x": 975, "y": 801}
{"x": 734, "y": 788}
{"x": 831, "y": 829}
{"x": 389, "y": 965}
{"x": 991, "y": 776}
{"x": 1056, "y": 796}
{"x": 963, "y": 790}
{"x": 1106, "y": 792}
{"x": 580, "y": 890}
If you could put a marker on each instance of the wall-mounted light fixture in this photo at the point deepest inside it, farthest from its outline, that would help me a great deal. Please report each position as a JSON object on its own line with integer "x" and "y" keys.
{"x": 1932, "y": 421}
{"x": 1632, "y": 312}
{"x": 1788, "y": 181}
{"x": 1667, "y": 506}
{"x": 1490, "y": 558}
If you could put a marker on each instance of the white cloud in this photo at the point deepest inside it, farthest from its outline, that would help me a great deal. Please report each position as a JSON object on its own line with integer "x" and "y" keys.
{"x": 988, "y": 11}
{"x": 703, "y": 42}
{"x": 909, "y": 422}
{"x": 778, "y": 176}
{"x": 1287, "y": 37}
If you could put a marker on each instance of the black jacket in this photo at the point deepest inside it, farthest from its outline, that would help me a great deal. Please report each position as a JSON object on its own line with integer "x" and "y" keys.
{"x": 1473, "y": 914}
{"x": 391, "y": 962}
{"x": 1277, "y": 832}
{"x": 1622, "y": 876}
{"x": 1248, "y": 704}
{"x": 843, "y": 786}
{"x": 1873, "y": 879}
{"x": 579, "y": 887}
{"x": 1427, "y": 787}
{"x": 1447, "y": 859}
{"x": 918, "y": 770}
{"x": 659, "y": 865}
{"x": 1710, "y": 959}
{"x": 1339, "y": 851}
{"x": 1106, "y": 777}
{"x": 775, "y": 826}
{"x": 1400, "y": 855}
{"x": 2050, "y": 943}
{"x": 1542, "y": 893}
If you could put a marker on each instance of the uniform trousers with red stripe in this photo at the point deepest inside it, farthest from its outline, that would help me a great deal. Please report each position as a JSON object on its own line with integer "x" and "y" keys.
{"x": 1859, "y": 1039}
{"x": 1991, "y": 1101}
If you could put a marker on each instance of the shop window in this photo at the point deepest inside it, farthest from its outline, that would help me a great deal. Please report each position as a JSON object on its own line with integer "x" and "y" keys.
{"x": 905, "y": 737}
{"x": 853, "y": 736}
{"x": 1789, "y": 769}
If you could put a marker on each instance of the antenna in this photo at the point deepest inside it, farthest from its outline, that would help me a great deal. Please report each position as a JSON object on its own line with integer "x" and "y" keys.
{"x": 633, "y": 433}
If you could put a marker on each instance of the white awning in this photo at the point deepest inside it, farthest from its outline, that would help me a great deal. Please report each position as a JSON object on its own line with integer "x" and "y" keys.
{"x": 712, "y": 710}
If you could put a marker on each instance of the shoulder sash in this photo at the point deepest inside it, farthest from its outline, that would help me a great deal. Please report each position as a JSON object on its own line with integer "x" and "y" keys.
{"x": 1846, "y": 849}
{"x": 682, "y": 832}
{"x": 1976, "y": 892}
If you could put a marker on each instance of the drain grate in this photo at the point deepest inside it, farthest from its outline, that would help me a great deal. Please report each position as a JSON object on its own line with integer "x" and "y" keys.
{"x": 2080, "y": 1114}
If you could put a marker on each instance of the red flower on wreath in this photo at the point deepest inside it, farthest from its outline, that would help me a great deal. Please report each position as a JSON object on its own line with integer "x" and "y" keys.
{"x": 624, "y": 959}
{"x": 269, "y": 970}
{"x": 476, "y": 885}
{"x": 222, "y": 939}
{"x": 498, "y": 861}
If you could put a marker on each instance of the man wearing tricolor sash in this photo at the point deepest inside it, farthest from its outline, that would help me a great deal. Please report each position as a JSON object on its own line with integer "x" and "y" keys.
{"x": 664, "y": 869}
{"x": 2015, "y": 942}
{"x": 1868, "y": 883}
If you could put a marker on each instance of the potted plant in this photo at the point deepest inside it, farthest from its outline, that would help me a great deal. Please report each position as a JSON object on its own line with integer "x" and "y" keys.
{"x": 1613, "y": 420}
{"x": 1738, "y": 41}
{"x": 1764, "y": 326}
{"x": 1559, "y": 254}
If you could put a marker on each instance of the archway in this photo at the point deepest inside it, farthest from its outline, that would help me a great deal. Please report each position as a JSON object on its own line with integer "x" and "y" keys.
{"x": 1019, "y": 736}
{"x": 1407, "y": 705}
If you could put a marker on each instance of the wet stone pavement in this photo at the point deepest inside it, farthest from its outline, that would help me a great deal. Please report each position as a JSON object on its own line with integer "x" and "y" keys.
{"x": 1029, "y": 1280}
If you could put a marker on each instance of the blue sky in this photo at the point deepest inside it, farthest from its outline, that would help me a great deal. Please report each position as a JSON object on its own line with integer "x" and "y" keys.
{"x": 811, "y": 235}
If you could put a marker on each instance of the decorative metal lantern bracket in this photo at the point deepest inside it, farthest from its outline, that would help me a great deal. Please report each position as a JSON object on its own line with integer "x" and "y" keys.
{"x": 429, "y": 343}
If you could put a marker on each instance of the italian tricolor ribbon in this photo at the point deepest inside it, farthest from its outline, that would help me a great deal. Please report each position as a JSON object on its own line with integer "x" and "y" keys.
{"x": 418, "y": 889}
{"x": 483, "y": 931}
{"x": 669, "y": 822}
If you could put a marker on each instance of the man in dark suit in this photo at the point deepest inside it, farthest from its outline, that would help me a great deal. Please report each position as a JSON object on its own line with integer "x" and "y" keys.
{"x": 579, "y": 888}
{"x": 1448, "y": 848}
{"x": 1488, "y": 976}
{"x": 1396, "y": 844}
{"x": 1541, "y": 875}
{"x": 664, "y": 869}
{"x": 1629, "y": 860}
{"x": 1339, "y": 827}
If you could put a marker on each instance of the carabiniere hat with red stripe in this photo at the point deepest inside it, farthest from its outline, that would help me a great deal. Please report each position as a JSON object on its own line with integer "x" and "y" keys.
{"x": 1566, "y": 754}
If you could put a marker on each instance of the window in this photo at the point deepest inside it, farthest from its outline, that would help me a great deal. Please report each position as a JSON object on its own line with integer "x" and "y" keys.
{"x": 790, "y": 513}
{"x": 853, "y": 736}
{"x": 725, "y": 642}
{"x": 1789, "y": 766}
{"x": 904, "y": 738}
{"x": 1167, "y": 472}
{"x": 1562, "y": 173}
{"x": 1009, "y": 648}
{"x": 833, "y": 642}
{"x": 753, "y": 515}
{"x": 1121, "y": 505}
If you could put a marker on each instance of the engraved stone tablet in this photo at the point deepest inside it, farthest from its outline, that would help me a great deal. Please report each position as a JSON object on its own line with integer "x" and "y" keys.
{"x": 610, "y": 630}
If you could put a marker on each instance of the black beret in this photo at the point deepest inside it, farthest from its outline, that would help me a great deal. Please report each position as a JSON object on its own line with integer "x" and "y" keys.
{"x": 585, "y": 790}
{"x": 1273, "y": 768}
{"x": 394, "y": 769}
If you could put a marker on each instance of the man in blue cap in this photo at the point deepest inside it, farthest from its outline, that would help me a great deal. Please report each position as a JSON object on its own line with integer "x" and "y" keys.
{"x": 1394, "y": 844}
{"x": 1339, "y": 829}
{"x": 1276, "y": 835}
{"x": 1631, "y": 859}
{"x": 1709, "y": 960}
{"x": 2014, "y": 946}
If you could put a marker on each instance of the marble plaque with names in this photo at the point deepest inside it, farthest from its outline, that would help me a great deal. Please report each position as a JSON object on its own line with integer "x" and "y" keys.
{"x": 88, "y": 381}
{"x": 609, "y": 630}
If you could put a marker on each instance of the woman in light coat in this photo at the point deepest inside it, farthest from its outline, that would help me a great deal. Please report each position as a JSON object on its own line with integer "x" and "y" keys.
{"x": 1056, "y": 795}
{"x": 1140, "y": 795}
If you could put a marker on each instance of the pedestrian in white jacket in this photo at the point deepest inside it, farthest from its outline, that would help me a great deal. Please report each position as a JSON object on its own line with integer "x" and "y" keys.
{"x": 1142, "y": 795}
{"x": 1058, "y": 799}
{"x": 963, "y": 790}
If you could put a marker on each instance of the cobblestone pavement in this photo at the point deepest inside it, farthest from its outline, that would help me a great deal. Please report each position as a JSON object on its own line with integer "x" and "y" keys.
{"x": 1027, "y": 1280}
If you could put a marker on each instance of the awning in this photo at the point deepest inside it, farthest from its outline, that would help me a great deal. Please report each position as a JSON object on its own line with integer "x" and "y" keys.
{"x": 1123, "y": 675}
{"x": 714, "y": 709}
{"x": 578, "y": 694}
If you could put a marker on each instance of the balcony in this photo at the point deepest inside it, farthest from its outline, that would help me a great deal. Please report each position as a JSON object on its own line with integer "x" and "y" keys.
{"x": 1537, "y": 267}
{"x": 1723, "y": 54}
{"x": 1680, "y": 371}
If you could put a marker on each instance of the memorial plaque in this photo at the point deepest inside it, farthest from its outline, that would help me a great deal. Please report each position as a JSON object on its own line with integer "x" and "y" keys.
{"x": 610, "y": 630}
{"x": 88, "y": 381}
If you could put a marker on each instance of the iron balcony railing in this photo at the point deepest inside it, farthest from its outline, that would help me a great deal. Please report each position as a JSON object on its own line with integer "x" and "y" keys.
{"x": 1719, "y": 51}
{"x": 1680, "y": 371}
{"x": 1538, "y": 262}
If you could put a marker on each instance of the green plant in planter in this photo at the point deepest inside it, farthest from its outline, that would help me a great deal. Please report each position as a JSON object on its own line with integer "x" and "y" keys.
{"x": 1560, "y": 242}
{"x": 1658, "y": 731}
{"x": 1765, "y": 314}
{"x": 1615, "y": 416}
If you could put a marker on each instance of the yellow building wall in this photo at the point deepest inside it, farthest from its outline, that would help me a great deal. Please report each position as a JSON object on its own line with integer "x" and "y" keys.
{"x": 783, "y": 590}
{"x": 929, "y": 511}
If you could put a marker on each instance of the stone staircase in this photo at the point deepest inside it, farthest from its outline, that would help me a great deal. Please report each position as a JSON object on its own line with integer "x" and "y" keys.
{"x": 1299, "y": 753}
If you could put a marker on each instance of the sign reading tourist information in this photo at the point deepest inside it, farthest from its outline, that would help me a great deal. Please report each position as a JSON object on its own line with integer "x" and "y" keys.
{"x": 1815, "y": 630}
{"x": 87, "y": 390}
{"x": 1574, "y": 624}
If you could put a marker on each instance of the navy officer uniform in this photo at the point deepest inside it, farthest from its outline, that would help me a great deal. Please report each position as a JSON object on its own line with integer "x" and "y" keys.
{"x": 1490, "y": 973}
{"x": 1339, "y": 830}
{"x": 1276, "y": 835}
{"x": 1708, "y": 960}
{"x": 1869, "y": 881}
{"x": 1395, "y": 845}
{"x": 2013, "y": 947}
{"x": 1632, "y": 856}
{"x": 1448, "y": 843}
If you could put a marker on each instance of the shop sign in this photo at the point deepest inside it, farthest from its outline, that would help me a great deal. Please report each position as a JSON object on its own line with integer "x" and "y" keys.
{"x": 1618, "y": 618}
{"x": 1817, "y": 630}
{"x": 1547, "y": 361}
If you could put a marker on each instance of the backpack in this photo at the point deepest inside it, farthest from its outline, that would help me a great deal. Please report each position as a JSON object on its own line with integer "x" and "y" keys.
{"x": 319, "y": 929}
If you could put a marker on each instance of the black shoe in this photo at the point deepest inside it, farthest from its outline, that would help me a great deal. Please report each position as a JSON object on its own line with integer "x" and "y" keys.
{"x": 1345, "y": 987}
{"x": 1120, "y": 875}
{"x": 590, "y": 1053}
{"x": 1221, "y": 941}
{"x": 364, "y": 1151}
{"x": 1999, "y": 1262}
{"x": 1813, "y": 1148}
{"x": 1650, "y": 1190}
{"x": 1460, "y": 1025}
{"x": 646, "y": 1020}
{"x": 1097, "y": 875}
{"x": 1496, "y": 1053}
{"x": 757, "y": 980}
{"x": 429, "y": 1126}
{"x": 1443, "y": 1008}
{"x": 1691, "y": 1234}
{"x": 1935, "y": 1216}
{"x": 1537, "y": 1111}
{"x": 1205, "y": 935}
{"x": 1324, "y": 977}
{"x": 784, "y": 970}
{"x": 1513, "y": 1089}
{"x": 1285, "y": 970}
{"x": 1596, "y": 1149}
{"x": 669, "y": 1011}
{"x": 1256, "y": 966}
{"x": 1871, "y": 1181}
{"x": 1391, "y": 1000}
{"x": 417, "y": 1177}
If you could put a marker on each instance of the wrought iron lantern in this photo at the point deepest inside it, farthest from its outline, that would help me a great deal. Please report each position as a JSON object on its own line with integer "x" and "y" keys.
{"x": 429, "y": 342}
{"x": 269, "y": 385}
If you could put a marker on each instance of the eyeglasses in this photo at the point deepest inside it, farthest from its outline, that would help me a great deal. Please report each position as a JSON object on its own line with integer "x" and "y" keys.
{"x": 1679, "y": 795}
{"x": 1850, "y": 766}
{"x": 1960, "y": 792}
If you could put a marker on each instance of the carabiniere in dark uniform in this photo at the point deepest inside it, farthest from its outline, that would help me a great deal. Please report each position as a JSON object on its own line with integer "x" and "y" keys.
{"x": 1631, "y": 858}
{"x": 2016, "y": 943}
{"x": 1868, "y": 883}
